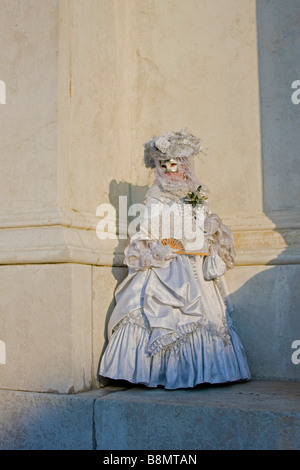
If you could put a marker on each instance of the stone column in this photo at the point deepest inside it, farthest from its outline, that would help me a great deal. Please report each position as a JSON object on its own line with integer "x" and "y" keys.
{"x": 87, "y": 82}
{"x": 62, "y": 127}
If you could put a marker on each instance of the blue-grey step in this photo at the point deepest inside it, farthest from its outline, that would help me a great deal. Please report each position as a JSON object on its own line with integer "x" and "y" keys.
{"x": 253, "y": 415}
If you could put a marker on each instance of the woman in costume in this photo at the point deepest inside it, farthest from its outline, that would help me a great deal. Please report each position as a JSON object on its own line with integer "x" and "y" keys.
{"x": 171, "y": 325}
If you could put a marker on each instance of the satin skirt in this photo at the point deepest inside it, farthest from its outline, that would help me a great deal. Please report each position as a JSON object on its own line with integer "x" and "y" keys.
{"x": 177, "y": 332}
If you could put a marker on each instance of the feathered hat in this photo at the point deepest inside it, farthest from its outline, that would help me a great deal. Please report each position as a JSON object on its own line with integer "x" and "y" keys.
{"x": 171, "y": 145}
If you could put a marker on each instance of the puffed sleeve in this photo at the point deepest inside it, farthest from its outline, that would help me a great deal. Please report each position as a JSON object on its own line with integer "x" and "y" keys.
{"x": 144, "y": 249}
{"x": 221, "y": 239}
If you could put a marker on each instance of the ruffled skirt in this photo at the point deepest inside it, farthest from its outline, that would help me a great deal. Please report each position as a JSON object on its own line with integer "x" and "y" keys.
{"x": 165, "y": 340}
{"x": 198, "y": 357}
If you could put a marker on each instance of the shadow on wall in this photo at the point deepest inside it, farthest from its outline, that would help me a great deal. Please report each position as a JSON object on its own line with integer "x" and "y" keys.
{"x": 123, "y": 196}
{"x": 266, "y": 316}
{"x": 268, "y": 297}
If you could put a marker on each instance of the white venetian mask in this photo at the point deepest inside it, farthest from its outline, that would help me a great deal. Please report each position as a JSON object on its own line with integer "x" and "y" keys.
{"x": 169, "y": 166}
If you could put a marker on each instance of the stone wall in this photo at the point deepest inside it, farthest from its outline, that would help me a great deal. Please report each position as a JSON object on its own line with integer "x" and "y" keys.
{"x": 87, "y": 82}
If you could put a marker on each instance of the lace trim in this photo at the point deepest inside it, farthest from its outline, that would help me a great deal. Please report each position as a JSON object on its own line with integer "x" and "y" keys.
{"x": 175, "y": 340}
{"x": 136, "y": 317}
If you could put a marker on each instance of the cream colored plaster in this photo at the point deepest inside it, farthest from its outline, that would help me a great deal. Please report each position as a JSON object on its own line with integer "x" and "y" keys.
{"x": 94, "y": 116}
{"x": 129, "y": 70}
{"x": 28, "y": 120}
{"x": 46, "y": 324}
{"x": 195, "y": 65}
{"x": 105, "y": 281}
{"x": 126, "y": 71}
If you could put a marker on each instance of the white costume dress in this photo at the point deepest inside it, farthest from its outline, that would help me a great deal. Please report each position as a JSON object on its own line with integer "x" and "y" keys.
{"x": 171, "y": 326}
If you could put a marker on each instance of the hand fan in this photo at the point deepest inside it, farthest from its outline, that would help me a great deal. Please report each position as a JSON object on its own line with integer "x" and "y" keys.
{"x": 177, "y": 245}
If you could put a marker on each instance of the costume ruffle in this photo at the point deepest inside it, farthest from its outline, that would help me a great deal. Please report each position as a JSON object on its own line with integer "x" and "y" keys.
{"x": 141, "y": 254}
{"x": 197, "y": 356}
{"x": 171, "y": 326}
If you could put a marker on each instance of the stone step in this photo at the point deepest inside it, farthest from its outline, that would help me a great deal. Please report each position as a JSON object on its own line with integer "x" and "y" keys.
{"x": 257, "y": 415}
